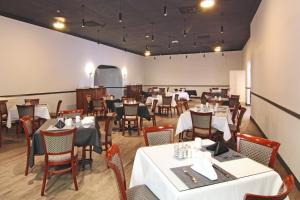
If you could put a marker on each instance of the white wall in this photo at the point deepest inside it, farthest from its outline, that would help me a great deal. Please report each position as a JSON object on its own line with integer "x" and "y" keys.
{"x": 237, "y": 83}
{"x": 34, "y": 59}
{"x": 196, "y": 70}
{"x": 273, "y": 51}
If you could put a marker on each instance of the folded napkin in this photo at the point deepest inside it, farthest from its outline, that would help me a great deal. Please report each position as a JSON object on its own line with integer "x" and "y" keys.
{"x": 218, "y": 148}
{"x": 203, "y": 166}
{"x": 87, "y": 120}
{"x": 60, "y": 124}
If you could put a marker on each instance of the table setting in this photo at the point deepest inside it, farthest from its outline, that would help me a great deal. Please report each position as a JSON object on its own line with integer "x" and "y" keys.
{"x": 87, "y": 133}
{"x": 187, "y": 170}
{"x": 220, "y": 119}
{"x": 40, "y": 110}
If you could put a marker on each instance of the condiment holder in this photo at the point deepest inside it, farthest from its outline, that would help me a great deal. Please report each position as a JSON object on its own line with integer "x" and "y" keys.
{"x": 182, "y": 151}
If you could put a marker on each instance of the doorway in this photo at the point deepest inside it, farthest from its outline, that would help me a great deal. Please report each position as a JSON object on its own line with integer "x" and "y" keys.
{"x": 109, "y": 77}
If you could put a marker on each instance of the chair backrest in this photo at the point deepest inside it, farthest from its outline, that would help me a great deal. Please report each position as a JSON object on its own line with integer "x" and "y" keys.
{"x": 176, "y": 97}
{"x": 154, "y": 105}
{"x": 240, "y": 117}
{"x": 233, "y": 100}
{"x": 27, "y": 125}
{"x": 57, "y": 143}
{"x": 201, "y": 121}
{"x": 131, "y": 109}
{"x": 25, "y": 110}
{"x": 158, "y": 135}
{"x": 235, "y": 112}
{"x": 286, "y": 188}
{"x": 32, "y": 101}
{"x": 259, "y": 149}
{"x": 3, "y": 108}
{"x": 224, "y": 92}
{"x": 72, "y": 113}
{"x": 167, "y": 100}
{"x": 58, "y": 107}
{"x": 115, "y": 163}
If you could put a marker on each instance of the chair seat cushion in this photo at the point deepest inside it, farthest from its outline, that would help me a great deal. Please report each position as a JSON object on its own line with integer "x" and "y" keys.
{"x": 232, "y": 127}
{"x": 62, "y": 157}
{"x": 140, "y": 192}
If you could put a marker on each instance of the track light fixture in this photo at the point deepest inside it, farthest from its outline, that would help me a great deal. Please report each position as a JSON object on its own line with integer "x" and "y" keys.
{"x": 170, "y": 57}
{"x": 120, "y": 13}
{"x": 124, "y": 34}
{"x": 83, "y": 20}
{"x": 184, "y": 30}
{"x": 152, "y": 35}
{"x": 98, "y": 40}
{"x": 165, "y": 9}
{"x": 222, "y": 30}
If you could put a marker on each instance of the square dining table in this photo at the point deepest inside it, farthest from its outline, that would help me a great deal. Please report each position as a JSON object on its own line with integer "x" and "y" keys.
{"x": 153, "y": 167}
{"x": 85, "y": 135}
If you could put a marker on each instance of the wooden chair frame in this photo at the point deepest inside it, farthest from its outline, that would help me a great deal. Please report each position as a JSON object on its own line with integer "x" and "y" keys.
{"x": 3, "y": 111}
{"x": 32, "y": 116}
{"x": 73, "y": 161}
{"x": 167, "y": 108}
{"x": 56, "y": 114}
{"x": 155, "y": 129}
{"x": 288, "y": 185}
{"x": 195, "y": 127}
{"x": 28, "y": 136}
{"x": 261, "y": 141}
{"x": 126, "y": 119}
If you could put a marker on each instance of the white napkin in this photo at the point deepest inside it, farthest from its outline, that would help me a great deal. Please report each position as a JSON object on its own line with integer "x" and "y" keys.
{"x": 87, "y": 120}
{"x": 202, "y": 164}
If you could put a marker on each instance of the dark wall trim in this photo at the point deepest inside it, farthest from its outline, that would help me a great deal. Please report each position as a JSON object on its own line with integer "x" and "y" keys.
{"x": 33, "y": 94}
{"x": 170, "y": 85}
{"x": 115, "y": 87}
{"x": 280, "y": 159}
{"x": 294, "y": 114}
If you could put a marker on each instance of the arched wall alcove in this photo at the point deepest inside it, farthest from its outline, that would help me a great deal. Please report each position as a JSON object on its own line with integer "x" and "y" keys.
{"x": 111, "y": 78}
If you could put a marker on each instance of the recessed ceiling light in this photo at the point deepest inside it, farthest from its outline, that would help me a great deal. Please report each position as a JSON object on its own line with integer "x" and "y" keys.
{"x": 59, "y": 23}
{"x": 207, "y": 3}
{"x": 147, "y": 36}
{"x": 174, "y": 41}
{"x": 218, "y": 48}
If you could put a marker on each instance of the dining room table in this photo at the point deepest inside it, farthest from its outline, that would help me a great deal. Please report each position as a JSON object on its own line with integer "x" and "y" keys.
{"x": 143, "y": 111}
{"x": 171, "y": 178}
{"x": 220, "y": 120}
{"x": 87, "y": 134}
{"x": 150, "y": 99}
{"x": 40, "y": 110}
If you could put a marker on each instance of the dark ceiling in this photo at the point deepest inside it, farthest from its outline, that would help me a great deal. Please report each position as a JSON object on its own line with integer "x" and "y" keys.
{"x": 140, "y": 17}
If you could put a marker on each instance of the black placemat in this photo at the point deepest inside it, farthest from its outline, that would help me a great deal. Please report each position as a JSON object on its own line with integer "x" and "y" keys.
{"x": 200, "y": 180}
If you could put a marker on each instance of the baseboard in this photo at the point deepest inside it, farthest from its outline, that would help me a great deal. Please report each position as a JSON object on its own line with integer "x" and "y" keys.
{"x": 282, "y": 162}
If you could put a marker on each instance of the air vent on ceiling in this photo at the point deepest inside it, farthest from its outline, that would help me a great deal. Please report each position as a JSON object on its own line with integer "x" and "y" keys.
{"x": 93, "y": 24}
{"x": 187, "y": 10}
{"x": 203, "y": 37}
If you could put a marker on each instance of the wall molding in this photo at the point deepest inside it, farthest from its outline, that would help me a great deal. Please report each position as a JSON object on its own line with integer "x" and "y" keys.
{"x": 280, "y": 159}
{"x": 183, "y": 85}
{"x": 286, "y": 110}
{"x": 33, "y": 94}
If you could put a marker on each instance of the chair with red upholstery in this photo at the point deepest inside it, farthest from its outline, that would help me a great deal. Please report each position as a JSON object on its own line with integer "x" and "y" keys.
{"x": 114, "y": 162}
{"x": 27, "y": 124}
{"x": 259, "y": 149}
{"x": 286, "y": 188}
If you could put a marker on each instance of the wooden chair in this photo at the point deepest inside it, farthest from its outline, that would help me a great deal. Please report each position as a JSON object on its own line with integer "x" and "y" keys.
{"x": 235, "y": 112}
{"x": 233, "y": 100}
{"x": 259, "y": 149}
{"x": 27, "y": 124}
{"x": 72, "y": 113}
{"x": 59, "y": 151}
{"x": 27, "y": 110}
{"x": 3, "y": 118}
{"x": 114, "y": 162}
{"x": 224, "y": 92}
{"x": 56, "y": 114}
{"x": 130, "y": 115}
{"x": 179, "y": 108}
{"x": 186, "y": 105}
{"x": 152, "y": 114}
{"x": 158, "y": 135}
{"x": 89, "y": 104}
{"x": 235, "y": 128}
{"x": 286, "y": 188}
{"x": 202, "y": 125}
{"x": 32, "y": 101}
{"x": 99, "y": 107}
{"x": 166, "y": 107}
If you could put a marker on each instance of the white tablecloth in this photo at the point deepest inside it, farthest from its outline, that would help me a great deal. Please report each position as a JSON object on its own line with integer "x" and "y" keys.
{"x": 152, "y": 168}
{"x": 150, "y": 100}
{"x": 182, "y": 95}
{"x": 39, "y": 111}
{"x": 220, "y": 121}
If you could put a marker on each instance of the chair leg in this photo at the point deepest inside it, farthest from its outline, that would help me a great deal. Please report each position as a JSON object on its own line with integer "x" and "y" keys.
{"x": 44, "y": 180}
{"x": 154, "y": 120}
{"x": 141, "y": 123}
{"x": 0, "y": 137}
{"x": 123, "y": 127}
{"x": 27, "y": 161}
{"x": 74, "y": 174}
{"x": 83, "y": 157}
{"x": 137, "y": 125}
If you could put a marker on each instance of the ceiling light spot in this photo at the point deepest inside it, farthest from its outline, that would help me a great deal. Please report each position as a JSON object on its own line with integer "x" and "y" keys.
{"x": 175, "y": 41}
{"x": 218, "y": 49}
{"x": 207, "y": 4}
